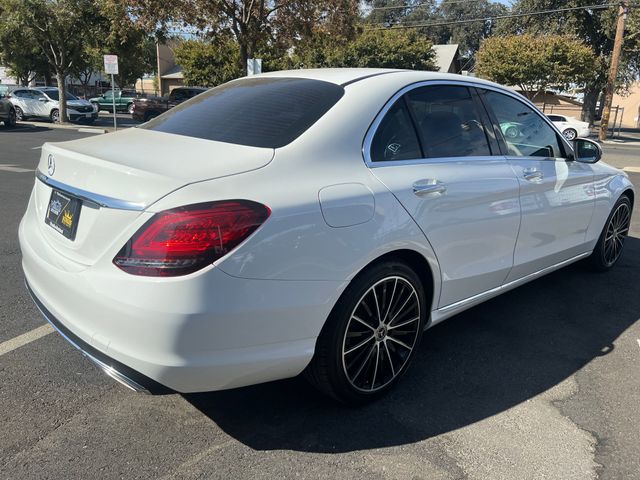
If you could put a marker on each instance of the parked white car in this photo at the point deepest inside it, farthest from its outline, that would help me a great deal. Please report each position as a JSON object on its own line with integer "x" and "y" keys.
{"x": 310, "y": 221}
{"x": 570, "y": 127}
{"x": 45, "y": 103}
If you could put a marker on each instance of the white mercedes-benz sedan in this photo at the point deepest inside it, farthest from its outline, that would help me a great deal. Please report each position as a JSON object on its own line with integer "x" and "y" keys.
{"x": 311, "y": 221}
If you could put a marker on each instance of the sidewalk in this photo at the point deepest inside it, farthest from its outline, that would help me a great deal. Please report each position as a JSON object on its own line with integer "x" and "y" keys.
{"x": 626, "y": 135}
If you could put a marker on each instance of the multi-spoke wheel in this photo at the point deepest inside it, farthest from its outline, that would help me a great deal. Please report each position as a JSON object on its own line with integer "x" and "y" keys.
{"x": 381, "y": 333}
{"x": 369, "y": 339}
{"x": 609, "y": 247}
{"x": 570, "y": 134}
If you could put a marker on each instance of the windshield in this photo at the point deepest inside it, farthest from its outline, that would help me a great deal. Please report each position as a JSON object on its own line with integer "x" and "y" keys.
{"x": 53, "y": 95}
{"x": 258, "y": 112}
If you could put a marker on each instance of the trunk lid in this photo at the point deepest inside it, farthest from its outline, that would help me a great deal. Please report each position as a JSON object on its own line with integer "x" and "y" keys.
{"x": 129, "y": 171}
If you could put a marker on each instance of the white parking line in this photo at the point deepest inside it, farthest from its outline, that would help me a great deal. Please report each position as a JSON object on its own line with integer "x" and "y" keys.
{"x": 25, "y": 338}
{"x": 12, "y": 168}
{"x": 639, "y": 342}
{"x": 632, "y": 169}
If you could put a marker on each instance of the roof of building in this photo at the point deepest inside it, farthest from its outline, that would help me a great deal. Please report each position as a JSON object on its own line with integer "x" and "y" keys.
{"x": 445, "y": 56}
{"x": 173, "y": 72}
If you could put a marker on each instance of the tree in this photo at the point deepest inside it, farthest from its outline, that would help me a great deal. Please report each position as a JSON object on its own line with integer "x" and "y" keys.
{"x": 374, "y": 49}
{"x": 536, "y": 63}
{"x": 21, "y": 54}
{"x": 55, "y": 27}
{"x": 122, "y": 35}
{"x": 468, "y": 36}
{"x": 443, "y": 14}
{"x": 256, "y": 25}
{"x": 207, "y": 64}
{"x": 596, "y": 27}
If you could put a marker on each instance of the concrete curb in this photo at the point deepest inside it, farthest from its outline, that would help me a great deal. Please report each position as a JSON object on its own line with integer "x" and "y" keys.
{"x": 92, "y": 130}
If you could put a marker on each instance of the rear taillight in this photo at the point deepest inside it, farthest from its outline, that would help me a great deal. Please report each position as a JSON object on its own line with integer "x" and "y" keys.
{"x": 186, "y": 239}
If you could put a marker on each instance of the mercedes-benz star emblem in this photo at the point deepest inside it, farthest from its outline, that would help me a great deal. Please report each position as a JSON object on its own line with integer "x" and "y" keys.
{"x": 51, "y": 165}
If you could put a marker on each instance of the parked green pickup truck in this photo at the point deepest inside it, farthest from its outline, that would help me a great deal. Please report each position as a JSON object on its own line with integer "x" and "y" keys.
{"x": 124, "y": 101}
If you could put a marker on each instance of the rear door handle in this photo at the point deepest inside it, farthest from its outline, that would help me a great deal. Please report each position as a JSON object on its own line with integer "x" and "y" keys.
{"x": 532, "y": 174}
{"x": 429, "y": 188}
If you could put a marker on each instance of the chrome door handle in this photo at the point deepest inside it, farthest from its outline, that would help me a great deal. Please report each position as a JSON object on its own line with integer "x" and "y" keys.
{"x": 532, "y": 174}
{"x": 427, "y": 188}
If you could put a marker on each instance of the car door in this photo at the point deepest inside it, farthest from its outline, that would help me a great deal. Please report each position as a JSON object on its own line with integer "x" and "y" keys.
{"x": 556, "y": 193}
{"x": 42, "y": 104}
{"x": 431, "y": 148}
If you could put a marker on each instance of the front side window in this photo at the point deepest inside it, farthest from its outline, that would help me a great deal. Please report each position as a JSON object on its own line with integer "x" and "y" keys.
{"x": 524, "y": 130}
{"x": 395, "y": 138}
{"x": 448, "y": 121}
{"x": 54, "y": 95}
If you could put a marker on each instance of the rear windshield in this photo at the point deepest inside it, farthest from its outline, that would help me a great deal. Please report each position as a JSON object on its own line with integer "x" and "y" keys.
{"x": 257, "y": 112}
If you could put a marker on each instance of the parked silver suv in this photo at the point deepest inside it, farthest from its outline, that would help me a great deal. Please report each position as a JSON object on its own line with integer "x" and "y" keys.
{"x": 44, "y": 102}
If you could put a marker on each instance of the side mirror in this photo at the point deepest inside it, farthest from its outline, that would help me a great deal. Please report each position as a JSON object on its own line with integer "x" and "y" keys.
{"x": 586, "y": 151}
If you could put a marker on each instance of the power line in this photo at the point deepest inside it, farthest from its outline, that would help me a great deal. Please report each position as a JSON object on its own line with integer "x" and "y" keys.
{"x": 495, "y": 17}
{"x": 420, "y": 5}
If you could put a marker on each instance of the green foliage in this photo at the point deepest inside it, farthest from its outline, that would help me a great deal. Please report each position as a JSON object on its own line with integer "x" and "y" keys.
{"x": 208, "y": 64}
{"x": 260, "y": 27}
{"x": 535, "y": 63}
{"x": 373, "y": 48}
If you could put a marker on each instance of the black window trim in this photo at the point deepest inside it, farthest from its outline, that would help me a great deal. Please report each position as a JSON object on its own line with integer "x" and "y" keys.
{"x": 373, "y": 127}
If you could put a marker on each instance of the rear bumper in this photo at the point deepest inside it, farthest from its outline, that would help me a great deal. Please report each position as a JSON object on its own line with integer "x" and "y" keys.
{"x": 116, "y": 370}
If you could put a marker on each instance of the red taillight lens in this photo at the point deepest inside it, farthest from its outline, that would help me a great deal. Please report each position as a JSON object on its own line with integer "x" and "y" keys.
{"x": 186, "y": 239}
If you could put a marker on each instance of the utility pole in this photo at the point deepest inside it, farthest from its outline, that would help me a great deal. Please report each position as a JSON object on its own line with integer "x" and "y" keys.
{"x": 613, "y": 71}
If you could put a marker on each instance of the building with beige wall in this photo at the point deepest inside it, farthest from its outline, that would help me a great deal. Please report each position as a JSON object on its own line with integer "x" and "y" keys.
{"x": 631, "y": 105}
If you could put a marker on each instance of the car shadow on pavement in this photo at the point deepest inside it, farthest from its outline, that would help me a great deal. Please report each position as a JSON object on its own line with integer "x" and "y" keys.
{"x": 468, "y": 368}
{"x": 24, "y": 128}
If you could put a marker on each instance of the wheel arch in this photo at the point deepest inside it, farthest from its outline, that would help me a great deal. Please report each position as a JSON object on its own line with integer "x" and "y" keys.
{"x": 415, "y": 260}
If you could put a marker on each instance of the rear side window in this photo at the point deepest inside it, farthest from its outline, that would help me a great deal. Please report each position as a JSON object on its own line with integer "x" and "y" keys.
{"x": 257, "y": 112}
{"x": 395, "y": 138}
{"x": 448, "y": 121}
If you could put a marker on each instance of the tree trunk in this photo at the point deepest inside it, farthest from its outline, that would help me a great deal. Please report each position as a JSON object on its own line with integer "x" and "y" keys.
{"x": 589, "y": 102}
{"x": 62, "y": 95}
{"x": 243, "y": 57}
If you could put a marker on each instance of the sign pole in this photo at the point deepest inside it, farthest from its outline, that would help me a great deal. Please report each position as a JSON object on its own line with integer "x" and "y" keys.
{"x": 113, "y": 98}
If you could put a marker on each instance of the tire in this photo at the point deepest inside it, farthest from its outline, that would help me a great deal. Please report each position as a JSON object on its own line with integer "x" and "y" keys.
{"x": 358, "y": 358}
{"x": 149, "y": 115}
{"x": 20, "y": 114}
{"x": 96, "y": 105}
{"x": 10, "y": 122}
{"x": 130, "y": 108}
{"x": 609, "y": 248}
{"x": 54, "y": 116}
{"x": 570, "y": 134}
{"x": 512, "y": 132}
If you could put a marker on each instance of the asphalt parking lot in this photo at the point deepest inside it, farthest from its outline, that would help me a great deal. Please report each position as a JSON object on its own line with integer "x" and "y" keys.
{"x": 540, "y": 383}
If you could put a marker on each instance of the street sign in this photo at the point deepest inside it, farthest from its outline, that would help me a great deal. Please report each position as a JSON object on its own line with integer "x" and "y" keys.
{"x": 111, "y": 68}
{"x": 111, "y": 64}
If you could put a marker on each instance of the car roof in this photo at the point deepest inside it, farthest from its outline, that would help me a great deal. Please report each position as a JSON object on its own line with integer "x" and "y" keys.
{"x": 345, "y": 76}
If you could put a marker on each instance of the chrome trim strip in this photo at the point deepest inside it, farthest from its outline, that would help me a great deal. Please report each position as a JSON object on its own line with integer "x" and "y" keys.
{"x": 93, "y": 198}
{"x": 108, "y": 369}
{"x": 368, "y": 139}
{"x": 512, "y": 284}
